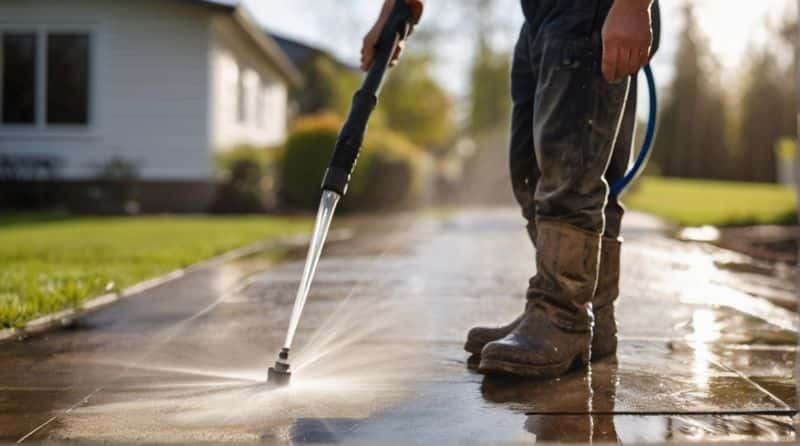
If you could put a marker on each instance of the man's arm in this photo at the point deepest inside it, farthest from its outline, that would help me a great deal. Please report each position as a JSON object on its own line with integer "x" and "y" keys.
{"x": 627, "y": 36}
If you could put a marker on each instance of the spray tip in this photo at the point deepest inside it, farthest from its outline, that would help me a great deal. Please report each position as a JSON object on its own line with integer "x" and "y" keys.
{"x": 279, "y": 374}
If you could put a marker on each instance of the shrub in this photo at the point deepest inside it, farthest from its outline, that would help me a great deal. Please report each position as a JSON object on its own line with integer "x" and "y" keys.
{"x": 264, "y": 157}
{"x": 387, "y": 176}
{"x": 306, "y": 155}
{"x": 115, "y": 189}
{"x": 394, "y": 175}
{"x": 247, "y": 175}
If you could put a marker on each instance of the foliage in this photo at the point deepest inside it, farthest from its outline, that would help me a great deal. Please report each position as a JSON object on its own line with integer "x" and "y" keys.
{"x": 117, "y": 169}
{"x": 56, "y": 262}
{"x": 786, "y": 149}
{"x": 489, "y": 98}
{"x": 396, "y": 173}
{"x": 306, "y": 154}
{"x": 264, "y": 157}
{"x": 706, "y": 131}
{"x": 692, "y": 136}
{"x": 387, "y": 174}
{"x": 329, "y": 85}
{"x": 411, "y": 101}
{"x": 415, "y": 105}
{"x": 767, "y": 114}
{"x": 720, "y": 203}
{"x": 248, "y": 179}
{"x": 115, "y": 188}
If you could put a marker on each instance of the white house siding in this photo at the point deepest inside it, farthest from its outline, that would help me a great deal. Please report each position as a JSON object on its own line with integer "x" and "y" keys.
{"x": 149, "y": 87}
{"x": 234, "y": 53}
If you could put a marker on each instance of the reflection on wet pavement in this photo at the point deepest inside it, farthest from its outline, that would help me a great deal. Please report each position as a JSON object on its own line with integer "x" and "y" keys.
{"x": 707, "y": 352}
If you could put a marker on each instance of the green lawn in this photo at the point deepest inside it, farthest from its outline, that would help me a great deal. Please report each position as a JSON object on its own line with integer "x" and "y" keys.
{"x": 719, "y": 203}
{"x": 49, "y": 263}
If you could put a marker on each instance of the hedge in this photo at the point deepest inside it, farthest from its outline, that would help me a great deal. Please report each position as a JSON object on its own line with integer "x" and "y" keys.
{"x": 247, "y": 179}
{"x": 389, "y": 175}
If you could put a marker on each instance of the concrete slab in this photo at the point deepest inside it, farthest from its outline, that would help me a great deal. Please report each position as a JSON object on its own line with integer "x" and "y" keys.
{"x": 704, "y": 355}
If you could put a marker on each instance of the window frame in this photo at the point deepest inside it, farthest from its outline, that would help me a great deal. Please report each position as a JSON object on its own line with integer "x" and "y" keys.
{"x": 261, "y": 104}
{"x": 241, "y": 96}
{"x": 21, "y": 31}
{"x": 40, "y": 128}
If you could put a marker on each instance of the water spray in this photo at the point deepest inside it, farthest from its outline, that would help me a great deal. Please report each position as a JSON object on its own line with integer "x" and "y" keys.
{"x": 404, "y": 14}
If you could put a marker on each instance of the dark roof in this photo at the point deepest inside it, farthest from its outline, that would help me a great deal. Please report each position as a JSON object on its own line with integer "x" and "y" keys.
{"x": 300, "y": 52}
{"x": 263, "y": 41}
{"x": 229, "y": 4}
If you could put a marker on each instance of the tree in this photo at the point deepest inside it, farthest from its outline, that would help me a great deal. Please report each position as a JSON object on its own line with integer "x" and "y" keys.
{"x": 767, "y": 104}
{"x": 490, "y": 85}
{"x": 762, "y": 118}
{"x": 692, "y": 139}
{"x": 415, "y": 105}
{"x": 329, "y": 85}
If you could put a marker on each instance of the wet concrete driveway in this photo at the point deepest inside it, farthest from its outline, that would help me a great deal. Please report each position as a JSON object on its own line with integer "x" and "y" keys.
{"x": 707, "y": 349}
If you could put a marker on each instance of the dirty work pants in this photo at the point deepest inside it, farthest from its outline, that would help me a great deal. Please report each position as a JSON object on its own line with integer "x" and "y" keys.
{"x": 571, "y": 130}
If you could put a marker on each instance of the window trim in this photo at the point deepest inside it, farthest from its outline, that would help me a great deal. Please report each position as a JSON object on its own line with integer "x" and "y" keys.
{"x": 40, "y": 128}
{"x": 36, "y": 61}
{"x": 241, "y": 96}
{"x": 261, "y": 104}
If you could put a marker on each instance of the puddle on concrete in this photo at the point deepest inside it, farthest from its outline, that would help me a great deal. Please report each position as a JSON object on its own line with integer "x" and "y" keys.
{"x": 699, "y": 234}
{"x": 689, "y": 428}
{"x": 604, "y": 428}
{"x": 635, "y": 429}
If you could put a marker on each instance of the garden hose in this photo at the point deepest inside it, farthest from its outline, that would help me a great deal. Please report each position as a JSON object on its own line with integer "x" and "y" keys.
{"x": 641, "y": 159}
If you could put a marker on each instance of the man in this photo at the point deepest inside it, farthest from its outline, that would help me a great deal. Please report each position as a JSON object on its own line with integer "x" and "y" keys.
{"x": 573, "y": 90}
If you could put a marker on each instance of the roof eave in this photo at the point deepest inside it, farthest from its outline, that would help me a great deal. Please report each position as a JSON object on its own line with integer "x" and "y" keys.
{"x": 266, "y": 44}
{"x": 214, "y": 5}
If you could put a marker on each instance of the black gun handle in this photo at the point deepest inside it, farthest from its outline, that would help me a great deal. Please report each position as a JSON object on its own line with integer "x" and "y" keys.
{"x": 351, "y": 136}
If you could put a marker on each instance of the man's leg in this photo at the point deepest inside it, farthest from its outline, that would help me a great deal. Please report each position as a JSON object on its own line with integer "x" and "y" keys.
{"x": 522, "y": 162}
{"x": 604, "y": 340}
{"x": 524, "y": 175}
{"x": 523, "y": 168}
{"x": 576, "y": 119}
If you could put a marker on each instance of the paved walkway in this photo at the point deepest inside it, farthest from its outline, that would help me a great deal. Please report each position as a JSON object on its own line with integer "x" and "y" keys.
{"x": 707, "y": 349}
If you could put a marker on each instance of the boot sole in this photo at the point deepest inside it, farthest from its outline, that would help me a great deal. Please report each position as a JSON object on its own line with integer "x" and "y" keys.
{"x": 475, "y": 348}
{"x": 492, "y": 366}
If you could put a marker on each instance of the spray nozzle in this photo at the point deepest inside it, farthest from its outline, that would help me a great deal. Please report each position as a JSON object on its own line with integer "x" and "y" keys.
{"x": 279, "y": 374}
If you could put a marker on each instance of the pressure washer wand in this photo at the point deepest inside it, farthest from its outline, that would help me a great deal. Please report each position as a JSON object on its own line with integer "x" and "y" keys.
{"x": 403, "y": 16}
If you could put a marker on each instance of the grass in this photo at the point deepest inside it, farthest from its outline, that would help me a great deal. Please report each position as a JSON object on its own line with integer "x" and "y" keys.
{"x": 718, "y": 203}
{"x": 52, "y": 262}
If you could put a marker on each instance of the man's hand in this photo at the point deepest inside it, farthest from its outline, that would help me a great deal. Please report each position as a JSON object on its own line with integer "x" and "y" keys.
{"x": 374, "y": 34}
{"x": 627, "y": 36}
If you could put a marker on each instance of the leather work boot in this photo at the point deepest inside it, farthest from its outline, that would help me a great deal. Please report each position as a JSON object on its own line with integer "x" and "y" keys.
{"x": 479, "y": 336}
{"x": 604, "y": 338}
{"x": 555, "y": 332}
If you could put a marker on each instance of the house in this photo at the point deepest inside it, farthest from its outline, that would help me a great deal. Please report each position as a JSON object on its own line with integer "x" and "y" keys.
{"x": 149, "y": 89}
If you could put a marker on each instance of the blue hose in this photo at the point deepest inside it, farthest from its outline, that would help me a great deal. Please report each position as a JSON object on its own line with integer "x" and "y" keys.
{"x": 644, "y": 152}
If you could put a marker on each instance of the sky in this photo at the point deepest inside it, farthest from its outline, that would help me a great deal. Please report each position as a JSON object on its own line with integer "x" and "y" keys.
{"x": 731, "y": 26}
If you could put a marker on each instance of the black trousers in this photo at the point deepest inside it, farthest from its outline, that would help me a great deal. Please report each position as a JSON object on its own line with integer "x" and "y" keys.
{"x": 572, "y": 131}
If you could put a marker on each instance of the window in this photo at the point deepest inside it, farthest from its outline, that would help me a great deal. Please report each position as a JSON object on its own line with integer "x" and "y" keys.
{"x": 19, "y": 78}
{"x": 260, "y": 106}
{"x": 45, "y": 77}
{"x": 241, "y": 97}
{"x": 67, "y": 78}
